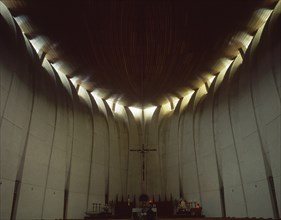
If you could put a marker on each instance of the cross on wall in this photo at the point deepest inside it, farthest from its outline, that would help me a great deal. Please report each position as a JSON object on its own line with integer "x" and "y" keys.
{"x": 143, "y": 151}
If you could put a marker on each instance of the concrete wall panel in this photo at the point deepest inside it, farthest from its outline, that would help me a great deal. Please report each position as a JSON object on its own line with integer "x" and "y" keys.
{"x": 258, "y": 191}
{"x": 30, "y": 202}
{"x": 76, "y": 205}
{"x": 234, "y": 201}
{"x": 7, "y": 191}
{"x": 53, "y": 206}
{"x": 211, "y": 208}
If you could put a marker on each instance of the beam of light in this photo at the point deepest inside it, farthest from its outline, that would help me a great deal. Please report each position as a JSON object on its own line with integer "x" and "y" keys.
{"x": 225, "y": 62}
{"x": 99, "y": 102}
{"x": 137, "y": 112}
{"x": 85, "y": 96}
{"x": 13, "y": 4}
{"x": 221, "y": 63}
{"x": 186, "y": 99}
{"x": 23, "y": 23}
{"x": 174, "y": 102}
{"x": 110, "y": 104}
{"x": 75, "y": 81}
{"x": 263, "y": 14}
{"x": 102, "y": 93}
{"x": 148, "y": 112}
{"x": 190, "y": 93}
{"x": 166, "y": 108}
{"x": 21, "y": 20}
{"x": 58, "y": 67}
{"x": 244, "y": 38}
{"x": 39, "y": 42}
{"x": 170, "y": 105}
{"x": 222, "y": 73}
{"x": 203, "y": 89}
{"x": 211, "y": 79}
{"x": 259, "y": 17}
{"x": 115, "y": 107}
{"x": 119, "y": 108}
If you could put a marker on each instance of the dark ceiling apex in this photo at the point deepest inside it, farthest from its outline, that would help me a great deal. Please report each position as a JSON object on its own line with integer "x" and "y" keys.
{"x": 143, "y": 51}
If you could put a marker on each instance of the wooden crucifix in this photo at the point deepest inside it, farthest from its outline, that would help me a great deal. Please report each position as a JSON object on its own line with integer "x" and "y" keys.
{"x": 143, "y": 151}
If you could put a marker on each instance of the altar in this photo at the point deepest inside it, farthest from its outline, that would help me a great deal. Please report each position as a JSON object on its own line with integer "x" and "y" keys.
{"x": 142, "y": 213}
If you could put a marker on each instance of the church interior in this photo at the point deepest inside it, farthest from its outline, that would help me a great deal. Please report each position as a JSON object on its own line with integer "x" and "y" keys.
{"x": 118, "y": 109}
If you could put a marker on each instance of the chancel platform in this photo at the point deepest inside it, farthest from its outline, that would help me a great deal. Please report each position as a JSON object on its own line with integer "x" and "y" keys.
{"x": 145, "y": 213}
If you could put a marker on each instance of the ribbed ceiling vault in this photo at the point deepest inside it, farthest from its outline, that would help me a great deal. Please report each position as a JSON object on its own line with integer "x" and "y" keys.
{"x": 139, "y": 53}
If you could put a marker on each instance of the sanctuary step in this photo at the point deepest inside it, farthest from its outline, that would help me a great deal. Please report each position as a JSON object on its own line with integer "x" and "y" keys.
{"x": 191, "y": 218}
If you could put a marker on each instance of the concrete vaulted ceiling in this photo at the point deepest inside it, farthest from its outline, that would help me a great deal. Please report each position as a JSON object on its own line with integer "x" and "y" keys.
{"x": 138, "y": 53}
